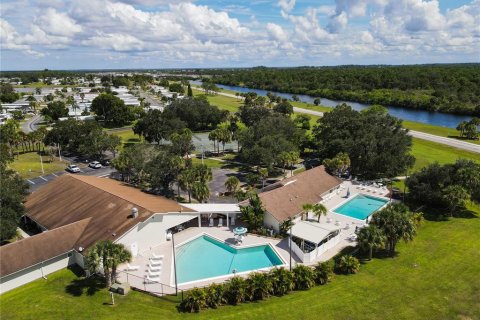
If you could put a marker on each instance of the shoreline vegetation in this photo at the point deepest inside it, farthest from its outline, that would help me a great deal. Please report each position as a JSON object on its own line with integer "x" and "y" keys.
{"x": 448, "y": 88}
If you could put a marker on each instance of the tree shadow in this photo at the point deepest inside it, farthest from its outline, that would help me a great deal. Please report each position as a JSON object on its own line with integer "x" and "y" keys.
{"x": 88, "y": 286}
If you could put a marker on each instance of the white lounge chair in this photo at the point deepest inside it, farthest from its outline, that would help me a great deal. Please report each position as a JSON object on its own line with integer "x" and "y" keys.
{"x": 211, "y": 222}
{"x": 220, "y": 222}
{"x": 132, "y": 268}
{"x": 156, "y": 262}
{"x": 154, "y": 274}
{"x": 232, "y": 221}
{"x": 155, "y": 269}
{"x": 157, "y": 257}
{"x": 156, "y": 265}
{"x": 149, "y": 279}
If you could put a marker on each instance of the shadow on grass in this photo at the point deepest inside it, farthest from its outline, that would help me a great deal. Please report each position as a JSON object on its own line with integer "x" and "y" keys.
{"x": 81, "y": 286}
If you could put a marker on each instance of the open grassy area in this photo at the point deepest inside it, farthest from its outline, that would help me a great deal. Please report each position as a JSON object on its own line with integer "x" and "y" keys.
{"x": 222, "y": 102}
{"x": 436, "y": 130}
{"x": 433, "y": 277}
{"x": 29, "y": 166}
{"x": 127, "y": 135}
{"x": 427, "y": 152}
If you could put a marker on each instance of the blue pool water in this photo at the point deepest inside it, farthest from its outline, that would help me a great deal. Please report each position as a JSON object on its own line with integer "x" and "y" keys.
{"x": 361, "y": 206}
{"x": 205, "y": 257}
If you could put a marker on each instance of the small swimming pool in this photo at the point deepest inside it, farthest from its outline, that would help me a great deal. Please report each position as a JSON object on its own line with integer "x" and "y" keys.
{"x": 361, "y": 206}
{"x": 206, "y": 257}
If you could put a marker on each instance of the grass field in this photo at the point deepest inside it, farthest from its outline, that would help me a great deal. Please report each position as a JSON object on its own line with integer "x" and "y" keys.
{"x": 427, "y": 152}
{"x": 29, "y": 166}
{"x": 436, "y": 130}
{"x": 433, "y": 277}
{"x": 127, "y": 135}
{"x": 222, "y": 102}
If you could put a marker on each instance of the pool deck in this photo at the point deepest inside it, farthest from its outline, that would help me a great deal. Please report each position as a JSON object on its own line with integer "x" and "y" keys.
{"x": 166, "y": 281}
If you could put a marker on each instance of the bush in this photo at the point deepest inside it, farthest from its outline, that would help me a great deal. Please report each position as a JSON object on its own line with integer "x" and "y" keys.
{"x": 323, "y": 272}
{"x": 235, "y": 290}
{"x": 282, "y": 281}
{"x": 304, "y": 277}
{"x": 195, "y": 300}
{"x": 347, "y": 264}
{"x": 259, "y": 286}
{"x": 214, "y": 295}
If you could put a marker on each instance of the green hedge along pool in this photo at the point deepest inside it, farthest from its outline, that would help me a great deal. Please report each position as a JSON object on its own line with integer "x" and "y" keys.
{"x": 205, "y": 257}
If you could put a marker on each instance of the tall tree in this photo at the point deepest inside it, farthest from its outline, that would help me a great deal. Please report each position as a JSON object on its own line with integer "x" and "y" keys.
{"x": 112, "y": 109}
{"x": 107, "y": 256}
{"x": 370, "y": 238}
{"x": 397, "y": 223}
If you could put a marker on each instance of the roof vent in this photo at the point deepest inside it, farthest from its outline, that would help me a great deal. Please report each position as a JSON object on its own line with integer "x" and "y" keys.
{"x": 134, "y": 212}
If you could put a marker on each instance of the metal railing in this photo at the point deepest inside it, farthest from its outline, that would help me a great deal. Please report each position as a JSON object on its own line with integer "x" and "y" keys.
{"x": 146, "y": 285}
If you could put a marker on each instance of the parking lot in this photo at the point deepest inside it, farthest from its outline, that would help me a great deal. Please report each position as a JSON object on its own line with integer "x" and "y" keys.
{"x": 37, "y": 182}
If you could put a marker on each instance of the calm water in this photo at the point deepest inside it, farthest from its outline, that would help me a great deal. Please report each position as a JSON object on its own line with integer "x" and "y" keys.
{"x": 361, "y": 206}
{"x": 433, "y": 118}
{"x": 206, "y": 257}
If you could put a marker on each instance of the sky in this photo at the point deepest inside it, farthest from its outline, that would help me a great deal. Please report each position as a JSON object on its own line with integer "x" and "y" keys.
{"x": 147, "y": 34}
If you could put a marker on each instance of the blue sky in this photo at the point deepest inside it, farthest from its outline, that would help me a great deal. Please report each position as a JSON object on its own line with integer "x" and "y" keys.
{"x": 101, "y": 34}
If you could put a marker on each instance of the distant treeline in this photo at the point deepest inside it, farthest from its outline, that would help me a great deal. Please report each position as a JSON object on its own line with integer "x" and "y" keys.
{"x": 453, "y": 88}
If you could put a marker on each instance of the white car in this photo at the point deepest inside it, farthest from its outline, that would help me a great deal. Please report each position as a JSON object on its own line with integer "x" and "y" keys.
{"x": 95, "y": 165}
{"x": 73, "y": 168}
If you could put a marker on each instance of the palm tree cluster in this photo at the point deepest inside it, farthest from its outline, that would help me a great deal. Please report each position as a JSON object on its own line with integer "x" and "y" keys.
{"x": 469, "y": 129}
{"x": 257, "y": 286}
{"x": 253, "y": 214}
{"x": 106, "y": 256}
{"x": 317, "y": 209}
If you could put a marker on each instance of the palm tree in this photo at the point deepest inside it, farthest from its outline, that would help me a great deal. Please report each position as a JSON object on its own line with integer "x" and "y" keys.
{"x": 195, "y": 300}
{"x": 232, "y": 184}
{"x": 214, "y": 295}
{"x": 462, "y": 126}
{"x": 263, "y": 172}
{"x": 254, "y": 213}
{"x": 317, "y": 209}
{"x": 200, "y": 191}
{"x": 304, "y": 277}
{"x": 348, "y": 264}
{"x": 235, "y": 290}
{"x": 282, "y": 281}
{"x": 107, "y": 255}
{"x": 323, "y": 272}
{"x": 213, "y": 136}
{"x": 370, "y": 238}
{"x": 259, "y": 286}
{"x": 396, "y": 222}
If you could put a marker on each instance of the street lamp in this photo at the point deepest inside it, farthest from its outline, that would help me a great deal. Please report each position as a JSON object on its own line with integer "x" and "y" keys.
{"x": 174, "y": 264}
{"x": 291, "y": 226}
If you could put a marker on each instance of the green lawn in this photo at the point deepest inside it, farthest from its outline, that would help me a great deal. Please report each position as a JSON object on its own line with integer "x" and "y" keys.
{"x": 29, "y": 166}
{"x": 433, "y": 277}
{"x": 436, "y": 130}
{"x": 427, "y": 152}
{"x": 127, "y": 135}
{"x": 222, "y": 102}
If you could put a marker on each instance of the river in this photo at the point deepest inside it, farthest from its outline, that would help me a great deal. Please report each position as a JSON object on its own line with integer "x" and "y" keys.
{"x": 432, "y": 118}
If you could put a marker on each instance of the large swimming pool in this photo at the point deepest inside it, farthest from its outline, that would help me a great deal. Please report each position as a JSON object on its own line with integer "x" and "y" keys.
{"x": 361, "y": 206}
{"x": 206, "y": 257}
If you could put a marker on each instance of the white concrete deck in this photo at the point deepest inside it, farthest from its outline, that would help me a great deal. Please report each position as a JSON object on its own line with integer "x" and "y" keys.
{"x": 166, "y": 281}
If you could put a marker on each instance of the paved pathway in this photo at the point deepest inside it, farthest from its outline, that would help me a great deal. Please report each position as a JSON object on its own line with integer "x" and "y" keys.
{"x": 31, "y": 124}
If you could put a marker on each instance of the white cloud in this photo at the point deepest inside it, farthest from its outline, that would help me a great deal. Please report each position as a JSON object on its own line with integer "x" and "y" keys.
{"x": 58, "y": 23}
{"x": 276, "y": 32}
{"x": 286, "y": 5}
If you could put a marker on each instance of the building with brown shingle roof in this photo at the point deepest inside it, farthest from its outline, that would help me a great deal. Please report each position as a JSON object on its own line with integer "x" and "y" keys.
{"x": 284, "y": 199}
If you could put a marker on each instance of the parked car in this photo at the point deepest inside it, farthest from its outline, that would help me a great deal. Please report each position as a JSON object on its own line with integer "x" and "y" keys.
{"x": 105, "y": 163}
{"x": 73, "y": 168}
{"x": 95, "y": 165}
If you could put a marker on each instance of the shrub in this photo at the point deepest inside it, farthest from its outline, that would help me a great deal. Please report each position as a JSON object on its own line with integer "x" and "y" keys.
{"x": 348, "y": 264}
{"x": 259, "y": 286}
{"x": 282, "y": 281}
{"x": 194, "y": 301}
{"x": 304, "y": 277}
{"x": 235, "y": 290}
{"x": 214, "y": 295}
{"x": 323, "y": 272}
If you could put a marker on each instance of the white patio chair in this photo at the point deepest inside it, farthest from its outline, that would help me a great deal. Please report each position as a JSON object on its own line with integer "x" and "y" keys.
{"x": 169, "y": 236}
{"x": 220, "y": 222}
{"x": 132, "y": 267}
{"x": 211, "y": 222}
{"x": 157, "y": 257}
{"x": 154, "y": 274}
{"x": 149, "y": 279}
{"x": 154, "y": 268}
{"x": 155, "y": 264}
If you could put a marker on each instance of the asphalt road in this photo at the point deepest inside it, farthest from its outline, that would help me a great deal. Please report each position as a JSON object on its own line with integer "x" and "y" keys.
{"x": 31, "y": 124}
{"x": 38, "y": 182}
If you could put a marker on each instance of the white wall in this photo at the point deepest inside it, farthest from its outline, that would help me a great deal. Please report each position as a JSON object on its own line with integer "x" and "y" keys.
{"x": 35, "y": 272}
{"x": 153, "y": 231}
{"x": 270, "y": 222}
{"x": 313, "y": 255}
